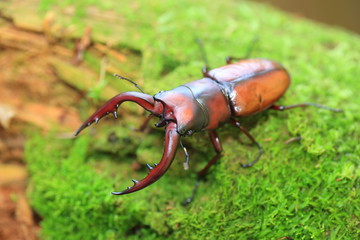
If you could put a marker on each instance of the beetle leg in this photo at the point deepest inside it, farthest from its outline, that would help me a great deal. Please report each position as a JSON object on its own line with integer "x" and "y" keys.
{"x": 186, "y": 163}
{"x": 171, "y": 143}
{"x": 206, "y": 74}
{"x": 229, "y": 59}
{"x": 145, "y": 123}
{"x": 261, "y": 151}
{"x": 205, "y": 69}
{"x": 201, "y": 174}
{"x": 282, "y": 108}
{"x": 144, "y": 100}
{"x": 248, "y": 52}
{"x": 189, "y": 199}
{"x": 218, "y": 148}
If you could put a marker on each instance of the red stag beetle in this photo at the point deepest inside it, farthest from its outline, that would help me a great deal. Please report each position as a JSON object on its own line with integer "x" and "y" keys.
{"x": 238, "y": 89}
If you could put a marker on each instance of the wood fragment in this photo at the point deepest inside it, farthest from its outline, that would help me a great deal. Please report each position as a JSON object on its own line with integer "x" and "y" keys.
{"x": 6, "y": 114}
{"x": 13, "y": 38}
{"x": 108, "y": 51}
{"x": 24, "y": 216}
{"x": 293, "y": 139}
{"x": 82, "y": 45}
{"x": 12, "y": 173}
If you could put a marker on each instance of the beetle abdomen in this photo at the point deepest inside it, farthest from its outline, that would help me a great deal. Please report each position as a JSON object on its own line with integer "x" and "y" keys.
{"x": 253, "y": 85}
{"x": 258, "y": 93}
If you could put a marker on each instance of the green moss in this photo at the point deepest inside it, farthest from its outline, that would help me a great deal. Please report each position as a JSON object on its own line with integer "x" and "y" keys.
{"x": 305, "y": 189}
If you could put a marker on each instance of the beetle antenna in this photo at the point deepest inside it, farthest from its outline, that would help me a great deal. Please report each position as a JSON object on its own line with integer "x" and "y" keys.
{"x": 124, "y": 78}
{"x": 203, "y": 53}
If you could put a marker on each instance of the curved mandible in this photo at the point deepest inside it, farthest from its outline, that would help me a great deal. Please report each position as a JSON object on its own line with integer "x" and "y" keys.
{"x": 111, "y": 106}
{"x": 171, "y": 143}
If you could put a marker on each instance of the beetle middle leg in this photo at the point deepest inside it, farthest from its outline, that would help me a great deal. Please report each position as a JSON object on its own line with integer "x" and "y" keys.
{"x": 248, "y": 52}
{"x": 201, "y": 174}
{"x": 246, "y": 132}
{"x": 205, "y": 68}
{"x": 218, "y": 148}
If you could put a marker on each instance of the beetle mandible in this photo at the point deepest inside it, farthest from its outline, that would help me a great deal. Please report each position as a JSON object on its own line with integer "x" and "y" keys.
{"x": 241, "y": 88}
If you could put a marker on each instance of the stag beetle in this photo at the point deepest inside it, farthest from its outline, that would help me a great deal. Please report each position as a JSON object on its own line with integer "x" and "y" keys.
{"x": 238, "y": 89}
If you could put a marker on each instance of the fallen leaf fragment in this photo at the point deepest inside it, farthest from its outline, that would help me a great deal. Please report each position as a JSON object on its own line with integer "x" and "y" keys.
{"x": 23, "y": 212}
{"x": 6, "y": 114}
{"x": 10, "y": 173}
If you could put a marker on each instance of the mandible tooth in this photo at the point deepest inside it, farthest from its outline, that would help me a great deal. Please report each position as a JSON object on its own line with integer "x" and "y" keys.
{"x": 115, "y": 114}
{"x": 117, "y": 193}
{"x": 149, "y": 167}
{"x": 135, "y": 181}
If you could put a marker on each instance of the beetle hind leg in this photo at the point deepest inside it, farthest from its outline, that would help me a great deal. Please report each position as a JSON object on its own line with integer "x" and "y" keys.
{"x": 246, "y": 132}
{"x": 306, "y": 104}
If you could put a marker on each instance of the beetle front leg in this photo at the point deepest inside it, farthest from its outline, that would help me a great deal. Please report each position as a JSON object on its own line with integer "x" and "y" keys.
{"x": 201, "y": 174}
{"x": 261, "y": 151}
{"x": 145, "y": 123}
{"x": 186, "y": 163}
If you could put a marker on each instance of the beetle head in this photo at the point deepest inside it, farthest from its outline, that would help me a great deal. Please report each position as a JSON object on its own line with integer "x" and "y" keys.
{"x": 181, "y": 107}
{"x": 156, "y": 108}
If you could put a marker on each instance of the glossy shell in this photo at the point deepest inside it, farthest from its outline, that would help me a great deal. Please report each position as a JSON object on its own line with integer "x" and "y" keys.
{"x": 240, "y": 89}
{"x": 253, "y": 85}
{"x": 196, "y": 105}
